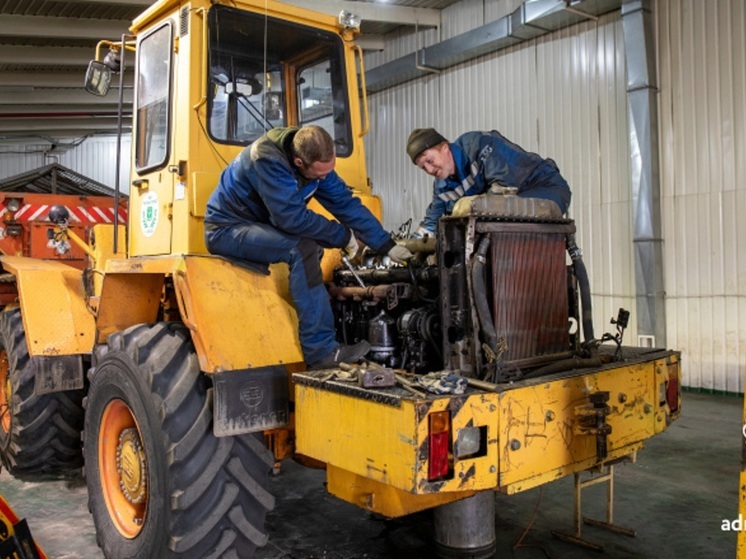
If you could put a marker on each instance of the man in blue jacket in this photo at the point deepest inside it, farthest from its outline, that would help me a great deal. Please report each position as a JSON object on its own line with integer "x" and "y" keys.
{"x": 476, "y": 162}
{"x": 259, "y": 213}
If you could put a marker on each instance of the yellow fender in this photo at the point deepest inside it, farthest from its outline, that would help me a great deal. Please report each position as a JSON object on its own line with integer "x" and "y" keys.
{"x": 238, "y": 319}
{"x": 53, "y": 305}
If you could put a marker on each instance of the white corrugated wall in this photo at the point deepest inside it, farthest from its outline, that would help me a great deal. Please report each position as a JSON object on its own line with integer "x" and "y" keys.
{"x": 95, "y": 158}
{"x": 17, "y": 159}
{"x": 564, "y": 96}
{"x": 702, "y": 101}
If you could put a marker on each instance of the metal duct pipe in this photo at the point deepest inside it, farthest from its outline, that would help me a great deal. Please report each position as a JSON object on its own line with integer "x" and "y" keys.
{"x": 532, "y": 19}
{"x": 637, "y": 22}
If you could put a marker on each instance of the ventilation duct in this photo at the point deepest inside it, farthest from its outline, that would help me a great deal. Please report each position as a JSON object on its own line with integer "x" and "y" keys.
{"x": 532, "y": 19}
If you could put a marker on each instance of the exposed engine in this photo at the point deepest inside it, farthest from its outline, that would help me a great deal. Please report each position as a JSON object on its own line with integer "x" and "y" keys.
{"x": 495, "y": 298}
{"x": 396, "y": 309}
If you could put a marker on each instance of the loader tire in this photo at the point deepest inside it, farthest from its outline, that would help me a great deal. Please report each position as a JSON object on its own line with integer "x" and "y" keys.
{"x": 160, "y": 484}
{"x": 39, "y": 435}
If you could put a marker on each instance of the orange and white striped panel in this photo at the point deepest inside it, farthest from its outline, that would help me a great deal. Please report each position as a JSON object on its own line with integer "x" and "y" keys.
{"x": 78, "y": 214}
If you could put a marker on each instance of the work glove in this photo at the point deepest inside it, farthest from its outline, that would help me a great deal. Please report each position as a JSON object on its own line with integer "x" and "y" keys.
{"x": 400, "y": 254}
{"x": 351, "y": 248}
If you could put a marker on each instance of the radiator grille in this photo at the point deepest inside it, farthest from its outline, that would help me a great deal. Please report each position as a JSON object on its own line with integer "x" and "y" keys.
{"x": 530, "y": 300}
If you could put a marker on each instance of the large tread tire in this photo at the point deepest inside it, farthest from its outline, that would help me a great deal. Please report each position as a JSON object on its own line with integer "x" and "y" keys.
{"x": 39, "y": 434}
{"x": 206, "y": 496}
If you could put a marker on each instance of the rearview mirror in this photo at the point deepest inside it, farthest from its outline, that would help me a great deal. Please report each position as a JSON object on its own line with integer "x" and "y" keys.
{"x": 97, "y": 78}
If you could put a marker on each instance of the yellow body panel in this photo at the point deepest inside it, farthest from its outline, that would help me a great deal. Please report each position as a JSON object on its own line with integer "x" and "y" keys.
{"x": 103, "y": 250}
{"x": 126, "y": 300}
{"x": 55, "y": 316}
{"x": 387, "y": 443}
{"x": 534, "y": 432}
{"x": 538, "y": 423}
{"x": 239, "y": 319}
{"x": 381, "y": 498}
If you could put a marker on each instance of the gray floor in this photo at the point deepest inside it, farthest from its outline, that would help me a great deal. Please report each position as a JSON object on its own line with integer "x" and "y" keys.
{"x": 676, "y": 497}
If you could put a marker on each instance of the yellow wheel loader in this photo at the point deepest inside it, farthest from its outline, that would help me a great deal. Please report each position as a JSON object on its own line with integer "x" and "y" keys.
{"x": 484, "y": 375}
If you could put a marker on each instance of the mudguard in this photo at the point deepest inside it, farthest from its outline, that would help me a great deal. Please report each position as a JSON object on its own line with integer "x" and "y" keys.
{"x": 53, "y": 305}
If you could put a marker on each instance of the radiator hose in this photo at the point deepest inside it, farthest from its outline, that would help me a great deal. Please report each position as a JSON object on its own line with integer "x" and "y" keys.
{"x": 576, "y": 255}
{"x": 479, "y": 287}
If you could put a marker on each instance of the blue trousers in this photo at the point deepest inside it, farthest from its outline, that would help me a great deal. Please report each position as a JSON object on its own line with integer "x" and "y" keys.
{"x": 261, "y": 242}
{"x": 547, "y": 184}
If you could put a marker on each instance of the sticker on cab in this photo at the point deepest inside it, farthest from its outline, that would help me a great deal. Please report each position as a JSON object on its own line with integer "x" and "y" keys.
{"x": 149, "y": 213}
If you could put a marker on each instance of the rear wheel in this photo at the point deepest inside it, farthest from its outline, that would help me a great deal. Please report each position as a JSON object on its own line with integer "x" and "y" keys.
{"x": 39, "y": 435}
{"x": 160, "y": 484}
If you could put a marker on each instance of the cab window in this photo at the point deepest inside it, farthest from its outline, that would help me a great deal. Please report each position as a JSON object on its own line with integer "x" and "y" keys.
{"x": 153, "y": 99}
{"x": 293, "y": 78}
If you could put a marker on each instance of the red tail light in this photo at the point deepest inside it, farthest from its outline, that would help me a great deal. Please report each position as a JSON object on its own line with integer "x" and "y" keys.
{"x": 439, "y": 436}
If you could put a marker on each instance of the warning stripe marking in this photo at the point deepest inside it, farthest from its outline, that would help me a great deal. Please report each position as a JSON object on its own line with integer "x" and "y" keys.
{"x": 79, "y": 214}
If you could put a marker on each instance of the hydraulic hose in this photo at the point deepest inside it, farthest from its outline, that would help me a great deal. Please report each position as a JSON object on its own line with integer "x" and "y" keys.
{"x": 585, "y": 288}
{"x": 479, "y": 288}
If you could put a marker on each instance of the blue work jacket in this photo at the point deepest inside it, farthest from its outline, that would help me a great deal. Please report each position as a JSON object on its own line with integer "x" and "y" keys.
{"x": 486, "y": 158}
{"x": 261, "y": 185}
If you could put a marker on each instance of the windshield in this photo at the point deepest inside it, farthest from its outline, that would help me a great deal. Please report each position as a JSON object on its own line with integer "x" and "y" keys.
{"x": 294, "y": 77}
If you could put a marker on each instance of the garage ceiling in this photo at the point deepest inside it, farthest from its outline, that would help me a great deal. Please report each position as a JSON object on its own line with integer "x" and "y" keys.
{"x": 45, "y": 46}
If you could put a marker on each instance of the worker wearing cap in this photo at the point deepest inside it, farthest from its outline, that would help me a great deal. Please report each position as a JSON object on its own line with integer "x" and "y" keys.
{"x": 258, "y": 213}
{"x": 476, "y": 162}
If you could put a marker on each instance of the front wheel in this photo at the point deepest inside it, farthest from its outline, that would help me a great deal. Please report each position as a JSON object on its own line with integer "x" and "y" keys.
{"x": 160, "y": 484}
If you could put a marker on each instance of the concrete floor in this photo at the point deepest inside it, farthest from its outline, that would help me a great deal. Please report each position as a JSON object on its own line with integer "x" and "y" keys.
{"x": 676, "y": 497}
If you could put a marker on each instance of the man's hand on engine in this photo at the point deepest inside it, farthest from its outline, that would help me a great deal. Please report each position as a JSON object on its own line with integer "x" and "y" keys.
{"x": 351, "y": 248}
{"x": 400, "y": 254}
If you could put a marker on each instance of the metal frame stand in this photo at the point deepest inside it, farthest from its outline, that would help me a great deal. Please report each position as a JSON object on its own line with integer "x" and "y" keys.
{"x": 576, "y": 536}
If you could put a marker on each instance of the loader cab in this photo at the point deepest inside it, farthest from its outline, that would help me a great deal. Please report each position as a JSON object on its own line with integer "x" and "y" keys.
{"x": 212, "y": 79}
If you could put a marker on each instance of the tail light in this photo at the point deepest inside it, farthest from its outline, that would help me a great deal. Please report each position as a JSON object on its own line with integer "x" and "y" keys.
{"x": 439, "y": 437}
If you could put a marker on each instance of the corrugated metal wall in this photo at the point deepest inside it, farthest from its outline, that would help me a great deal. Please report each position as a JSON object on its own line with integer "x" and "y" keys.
{"x": 16, "y": 159}
{"x": 95, "y": 157}
{"x": 702, "y": 69}
{"x": 564, "y": 96}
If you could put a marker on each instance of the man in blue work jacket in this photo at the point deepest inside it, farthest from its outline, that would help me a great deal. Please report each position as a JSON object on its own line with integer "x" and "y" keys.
{"x": 259, "y": 213}
{"x": 477, "y": 162}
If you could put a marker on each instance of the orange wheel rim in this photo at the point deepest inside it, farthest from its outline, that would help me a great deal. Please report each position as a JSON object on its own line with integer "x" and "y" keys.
{"x": 123, "y": 468}
{"x": 6, "y": 391}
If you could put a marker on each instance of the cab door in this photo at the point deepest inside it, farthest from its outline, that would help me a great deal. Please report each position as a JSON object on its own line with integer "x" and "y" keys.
{"x": 151, "y": 192}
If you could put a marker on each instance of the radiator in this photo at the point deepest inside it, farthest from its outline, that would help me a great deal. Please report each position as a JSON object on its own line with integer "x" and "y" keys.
{"x": 529, "y": 291}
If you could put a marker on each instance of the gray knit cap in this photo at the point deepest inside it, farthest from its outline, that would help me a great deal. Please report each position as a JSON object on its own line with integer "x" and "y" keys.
{"x": 421, "y": 139}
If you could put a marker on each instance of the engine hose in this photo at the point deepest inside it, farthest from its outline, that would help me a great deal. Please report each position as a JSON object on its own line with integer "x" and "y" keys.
{"x": 479, "y": 288}
{"x": 576, "y": 255}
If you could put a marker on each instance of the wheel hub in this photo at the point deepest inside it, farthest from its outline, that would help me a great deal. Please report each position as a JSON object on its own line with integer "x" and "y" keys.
{"x": 131, "y": 466}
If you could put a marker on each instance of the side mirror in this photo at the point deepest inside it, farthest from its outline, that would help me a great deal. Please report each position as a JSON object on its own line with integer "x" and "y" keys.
{"x": 98, "y": 78}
